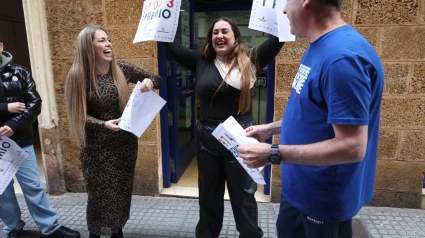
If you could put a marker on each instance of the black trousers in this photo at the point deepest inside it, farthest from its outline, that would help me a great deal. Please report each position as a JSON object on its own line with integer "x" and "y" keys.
{"x": 215, "y": 166}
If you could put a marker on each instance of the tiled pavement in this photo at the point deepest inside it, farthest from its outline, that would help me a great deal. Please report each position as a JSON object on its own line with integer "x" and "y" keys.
{"x": 177, "y": 217}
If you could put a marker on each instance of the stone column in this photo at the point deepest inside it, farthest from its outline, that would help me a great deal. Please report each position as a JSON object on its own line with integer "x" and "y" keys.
{"x": 39, "y": 49}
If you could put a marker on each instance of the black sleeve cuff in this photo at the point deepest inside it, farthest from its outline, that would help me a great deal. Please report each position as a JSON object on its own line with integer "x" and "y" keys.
{"x": 3, "y": 108}
{"x": 12, "y": 124}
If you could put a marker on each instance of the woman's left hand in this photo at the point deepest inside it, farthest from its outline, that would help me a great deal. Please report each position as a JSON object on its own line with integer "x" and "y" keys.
{"x": 147, "y": 85}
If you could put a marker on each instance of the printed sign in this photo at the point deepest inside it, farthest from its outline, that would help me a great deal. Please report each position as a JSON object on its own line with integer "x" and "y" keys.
{"x": 159, "y": 21}
{"x": 11, "y": 158}
{"x": 231, "y": 135}
{"x": 267, "y": 16}
{"x": 263, "y": 17}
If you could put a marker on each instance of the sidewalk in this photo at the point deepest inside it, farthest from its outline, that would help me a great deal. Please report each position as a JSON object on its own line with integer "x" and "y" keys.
{"x": 177, "y": 217}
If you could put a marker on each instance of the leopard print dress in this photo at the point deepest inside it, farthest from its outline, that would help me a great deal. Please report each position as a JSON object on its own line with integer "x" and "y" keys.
{"x": 108, "y": 158}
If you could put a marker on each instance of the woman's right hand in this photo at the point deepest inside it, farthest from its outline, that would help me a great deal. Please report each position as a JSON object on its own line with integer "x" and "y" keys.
{"x": 259, "y": 132}
{"x": 147, "y": 85}
{"x": 113, "y": 124}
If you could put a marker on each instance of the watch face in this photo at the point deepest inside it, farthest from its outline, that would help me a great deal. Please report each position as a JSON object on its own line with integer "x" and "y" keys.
{"x": 274, "y": 156}
{"x": 274, "y": 159}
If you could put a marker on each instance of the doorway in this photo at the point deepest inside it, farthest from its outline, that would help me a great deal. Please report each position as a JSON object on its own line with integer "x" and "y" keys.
{"x": 179, "y": 165}
{"x": 14, "y": 36}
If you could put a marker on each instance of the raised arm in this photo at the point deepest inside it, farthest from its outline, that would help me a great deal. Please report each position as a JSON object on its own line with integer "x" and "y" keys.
{"x": 261, "y": 55}
{"x": 184, "y": 56}
{"x": 133, "y": 74}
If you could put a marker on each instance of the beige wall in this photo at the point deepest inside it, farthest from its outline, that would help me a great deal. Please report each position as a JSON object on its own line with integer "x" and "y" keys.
{"x": 397, "y": 31}
{"x": 65, "y": 19}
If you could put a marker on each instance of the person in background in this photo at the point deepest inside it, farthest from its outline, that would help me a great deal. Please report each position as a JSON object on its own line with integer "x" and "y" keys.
{"x": 20, "y": 105}
{"x": 225, "y": 74}
{"x": 329, "y": 132}
{"x": 96, "y": 94}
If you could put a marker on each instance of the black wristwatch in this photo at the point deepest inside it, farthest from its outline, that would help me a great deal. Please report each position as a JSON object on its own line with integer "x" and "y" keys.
{"x": 274, "y": 156}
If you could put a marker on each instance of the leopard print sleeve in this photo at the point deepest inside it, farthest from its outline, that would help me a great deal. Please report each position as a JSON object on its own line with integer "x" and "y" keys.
{"x": 92, "y": 121}
{"x": 133, "y": 74}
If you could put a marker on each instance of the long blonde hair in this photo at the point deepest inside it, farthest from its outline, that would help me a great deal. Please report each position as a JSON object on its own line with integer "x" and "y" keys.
{"x": 82, "y": 75}
{"x": 238, "y": 58}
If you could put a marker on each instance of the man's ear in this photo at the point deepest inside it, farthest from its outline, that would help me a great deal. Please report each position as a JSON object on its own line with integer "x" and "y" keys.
{"x": 307, "y": 3}
{"x": 1, "y": 47}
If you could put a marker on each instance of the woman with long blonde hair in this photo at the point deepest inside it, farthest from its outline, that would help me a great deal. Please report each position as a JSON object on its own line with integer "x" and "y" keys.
{"x": 225, "y": 74}
{"x": 96, "y": 93}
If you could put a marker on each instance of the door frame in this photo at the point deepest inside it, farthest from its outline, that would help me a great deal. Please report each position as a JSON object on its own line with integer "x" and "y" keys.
{"x": 166, "y": 116}
{"x": 271, "y": 76}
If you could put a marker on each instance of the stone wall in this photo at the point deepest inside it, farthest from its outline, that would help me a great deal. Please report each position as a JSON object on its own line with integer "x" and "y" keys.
{"x": 397, "y": 31}
{"x": 65, "y": 19}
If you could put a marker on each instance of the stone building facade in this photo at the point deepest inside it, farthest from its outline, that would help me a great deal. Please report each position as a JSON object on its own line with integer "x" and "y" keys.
{"x": 395, "y": 28}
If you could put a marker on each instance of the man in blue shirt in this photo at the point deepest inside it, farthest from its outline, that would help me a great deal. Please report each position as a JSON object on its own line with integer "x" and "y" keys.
{"x": 329, "y": 132}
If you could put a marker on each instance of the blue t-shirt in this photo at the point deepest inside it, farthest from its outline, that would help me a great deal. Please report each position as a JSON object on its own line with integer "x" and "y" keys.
{"x": 340, "y": 81}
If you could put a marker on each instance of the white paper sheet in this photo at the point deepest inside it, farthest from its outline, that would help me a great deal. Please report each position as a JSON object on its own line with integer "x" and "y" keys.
{"x": 267, "y": 16}
{"x": 231, "y": 135}
{"x": 140, "y": 110}
{"x": 159, "y": 21}
{"x": 11, "y": 158}
{"x": 284, "y": 28}
{"x": 263, "y": 17}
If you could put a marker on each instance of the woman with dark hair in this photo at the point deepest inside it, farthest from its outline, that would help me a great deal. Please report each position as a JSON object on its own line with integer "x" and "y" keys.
{"x": 96, "y": 94}
{"x": 225, "y": 74}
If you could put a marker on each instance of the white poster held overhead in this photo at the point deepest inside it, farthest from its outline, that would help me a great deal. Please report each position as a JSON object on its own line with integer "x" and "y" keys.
{"x": 267, "y": 16}
{"x": 231, "y": 135}
{"x": 263, "y": 17}
{"x": 11, "y": 158}
{"x": 140, "y": 110}
{"x": 159, "y": 21}
{"x": 283, "y": 22}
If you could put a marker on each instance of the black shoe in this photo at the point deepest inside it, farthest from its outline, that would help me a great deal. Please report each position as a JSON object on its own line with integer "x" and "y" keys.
{"x": 92, "y": 235}
{"x": 64, "y": 232}
{"x": 15, "y": 234}
{"x": 119, "y": 234}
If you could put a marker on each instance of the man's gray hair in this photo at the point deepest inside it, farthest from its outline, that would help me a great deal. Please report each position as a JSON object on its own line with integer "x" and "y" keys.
{"x": 332, "y": 3}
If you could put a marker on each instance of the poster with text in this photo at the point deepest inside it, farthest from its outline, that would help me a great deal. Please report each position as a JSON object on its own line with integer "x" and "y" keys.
{"x": 263, "y": 17}
{"x": 231, "y": 134}
{"x": 267, "y": 16}
{"x": 11, "y": 158}
{"x": 159, "y": 21}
